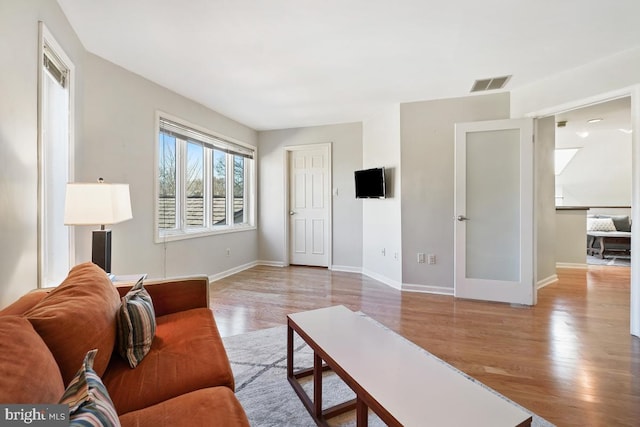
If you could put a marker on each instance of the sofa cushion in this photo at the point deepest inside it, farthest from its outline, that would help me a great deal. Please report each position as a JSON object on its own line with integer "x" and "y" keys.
{"x": 25, "y": 302}
{"x": 28, "y": 371}
{"x": 216, "y": 406}
{"x": 78, "y": 316}
{"x": 88, "y": 400}
{"x": 136, "y": 324}
{"x": 187, "y": 354}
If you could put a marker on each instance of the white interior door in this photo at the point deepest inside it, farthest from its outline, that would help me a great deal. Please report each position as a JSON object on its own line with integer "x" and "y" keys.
{"x": 309, "y": 206}
{"x": 494, "y": 211}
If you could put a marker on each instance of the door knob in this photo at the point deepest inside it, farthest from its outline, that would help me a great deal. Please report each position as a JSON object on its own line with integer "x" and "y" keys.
{"x": 292, "y": 213}
{"x": 462, "y": 218}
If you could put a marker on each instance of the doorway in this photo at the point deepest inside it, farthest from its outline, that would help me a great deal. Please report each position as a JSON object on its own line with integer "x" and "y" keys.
{"x": 596, "y": 174}
{"x": 308, "y": 205}
{"x": 634, "y": 94}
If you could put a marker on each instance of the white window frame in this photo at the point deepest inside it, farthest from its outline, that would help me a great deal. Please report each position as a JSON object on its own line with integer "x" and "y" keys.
{"x": 182, "y": 231}
{"x": 48, "y": 43}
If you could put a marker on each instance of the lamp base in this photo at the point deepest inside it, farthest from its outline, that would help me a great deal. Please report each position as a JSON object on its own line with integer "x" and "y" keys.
{"x": 101, "y": 249}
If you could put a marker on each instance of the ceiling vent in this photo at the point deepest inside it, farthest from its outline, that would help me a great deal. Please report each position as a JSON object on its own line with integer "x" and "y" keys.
{"x": 490, "y": 84}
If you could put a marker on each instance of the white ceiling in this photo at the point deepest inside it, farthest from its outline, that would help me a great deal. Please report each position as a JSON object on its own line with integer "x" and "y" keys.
{"x": 291, "y": 63}
{"x": 615, "y": 125}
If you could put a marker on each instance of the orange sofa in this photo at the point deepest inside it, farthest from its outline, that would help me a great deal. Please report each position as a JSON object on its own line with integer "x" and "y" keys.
{"x": 184, "y": 380}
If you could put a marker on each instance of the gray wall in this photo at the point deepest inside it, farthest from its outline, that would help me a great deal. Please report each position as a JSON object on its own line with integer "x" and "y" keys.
{"x": 427, "y": 148}
{"x": 119, "y": 145}
{"x": 571, "y": 238}
{"x": 115, "y": 138}
{"x": 346, "y": 145}
{"x": 19, "y": 134}
{"x": 382, "y": 219}
{"x": 545, "y": 212}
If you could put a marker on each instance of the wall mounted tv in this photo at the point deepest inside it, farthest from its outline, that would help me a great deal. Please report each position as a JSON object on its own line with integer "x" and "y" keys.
{"x": 370, "y": 184}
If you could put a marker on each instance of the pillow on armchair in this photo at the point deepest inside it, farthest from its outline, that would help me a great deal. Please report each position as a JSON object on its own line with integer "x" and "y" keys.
{"x": 621, "y": 222}
{"x": 600, "y": 224}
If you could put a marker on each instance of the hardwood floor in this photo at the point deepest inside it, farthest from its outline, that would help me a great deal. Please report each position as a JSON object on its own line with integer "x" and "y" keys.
{"x": 570, "y": 359}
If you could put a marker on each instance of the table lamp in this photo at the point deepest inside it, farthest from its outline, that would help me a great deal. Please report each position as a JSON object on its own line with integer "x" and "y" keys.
{"x": 98, "y": 204}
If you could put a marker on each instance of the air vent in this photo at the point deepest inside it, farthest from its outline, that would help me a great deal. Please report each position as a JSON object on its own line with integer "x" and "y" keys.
{"x": 490, "y": 84}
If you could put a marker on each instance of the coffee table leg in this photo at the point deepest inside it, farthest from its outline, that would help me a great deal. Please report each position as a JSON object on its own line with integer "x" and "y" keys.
{"x": 362, "y": 413}
{"x": 289, "y": 351}
{"x": 317, "y": 384}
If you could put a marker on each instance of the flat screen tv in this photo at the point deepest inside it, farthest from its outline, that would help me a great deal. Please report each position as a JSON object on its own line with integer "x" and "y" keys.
{"x": 370, "y": 183}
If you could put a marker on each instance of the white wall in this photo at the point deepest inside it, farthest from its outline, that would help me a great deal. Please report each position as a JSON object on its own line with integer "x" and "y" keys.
{"x": 119, "y": 145}
{"x": 600, "y": 172}
{"x": 346, "y": 146}
{"x": 635, "y": 203}
{"x": 382, "y": 219}
{"x": 427, "y": 155}
{"x": 19, "y": 63}
{"x": 611, "y": 74}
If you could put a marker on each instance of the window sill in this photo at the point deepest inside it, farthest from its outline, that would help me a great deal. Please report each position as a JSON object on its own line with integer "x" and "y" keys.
{"x": 200, "y": 232}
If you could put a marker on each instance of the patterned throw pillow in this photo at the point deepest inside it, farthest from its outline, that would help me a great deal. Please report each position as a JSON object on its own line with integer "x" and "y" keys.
{"x": 600, "y": 224}
{"x": 136, "y": 325}
{"x": 88, "y": 400}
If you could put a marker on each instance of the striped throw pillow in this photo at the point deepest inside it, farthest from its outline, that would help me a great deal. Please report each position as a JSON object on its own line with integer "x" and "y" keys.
{"x": 88, "y": 400}
{"x": 136, "y": 325}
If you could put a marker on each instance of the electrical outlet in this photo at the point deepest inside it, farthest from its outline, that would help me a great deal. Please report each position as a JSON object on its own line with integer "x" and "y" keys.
{"x": 431, "y": 259}
{"x": 384, "y": 252}
{"x": 228, "y": 252}
{"x": 420, "y": 258}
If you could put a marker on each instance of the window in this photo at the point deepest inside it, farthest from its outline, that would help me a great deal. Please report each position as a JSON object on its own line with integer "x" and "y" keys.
{"x": 55, "y": 153}
{"x": 205, "y": 182}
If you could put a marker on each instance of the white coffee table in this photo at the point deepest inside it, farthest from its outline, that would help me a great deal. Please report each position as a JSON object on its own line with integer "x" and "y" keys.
{"x": 399, "y": 382}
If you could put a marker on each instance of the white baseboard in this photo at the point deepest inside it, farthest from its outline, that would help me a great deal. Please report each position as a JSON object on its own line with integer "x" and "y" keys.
{"x": 231, "y": 271}
{"x": 427, "y": 289}
{"x": 271, "y": 263}
{"x": 547, "y": 281}
{"x": 346, "y": 269}
{"x": 380, "y": 278}
{"x": 570, "y": 265}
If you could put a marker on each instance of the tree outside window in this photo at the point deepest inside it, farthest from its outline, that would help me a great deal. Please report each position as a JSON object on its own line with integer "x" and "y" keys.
{"x": 167, "y": 182}
{"x": 203, "y": 183}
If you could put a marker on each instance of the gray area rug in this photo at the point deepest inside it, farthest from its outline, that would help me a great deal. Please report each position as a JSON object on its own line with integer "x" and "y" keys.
{"x": 615, "y": 260}
{"x": 259, "y": 364}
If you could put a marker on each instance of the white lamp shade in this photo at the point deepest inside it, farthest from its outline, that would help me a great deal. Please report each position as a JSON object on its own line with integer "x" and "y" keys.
{"x": 96, "y": 204}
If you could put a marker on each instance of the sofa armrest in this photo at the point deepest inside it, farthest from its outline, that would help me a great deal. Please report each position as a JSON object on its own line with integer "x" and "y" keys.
{"x": 175, "y": 295}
